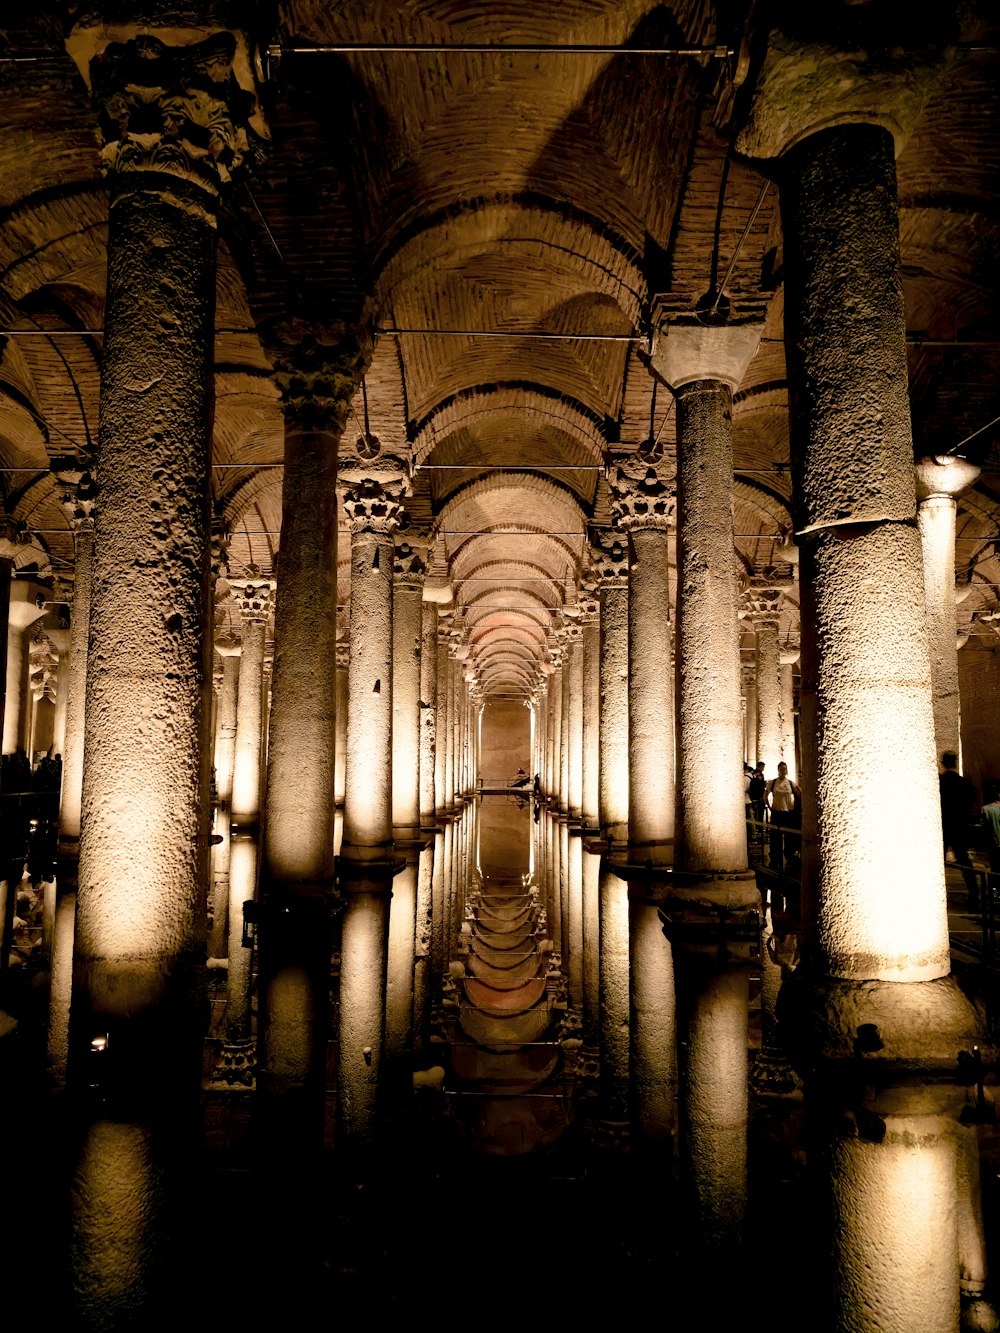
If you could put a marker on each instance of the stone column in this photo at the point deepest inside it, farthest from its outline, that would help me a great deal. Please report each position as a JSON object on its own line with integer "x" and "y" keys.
{"x": 940, "y": 481}
{"x": 443, "y": 710}
{"x": 22, "y": 612}
{"x": 225, "y": 752}
{"x": 590, "y": 626}
{"x": 748, "y": 678}
{"x": 787, "y": 657}
{"x": 761, "y": 607}
{"x": 428, "y": 710}
{"x": 565, "y": 717}
{"x": 876, "y": 994}
{"x": 614, "y": 998}
{"x": 574, "y": 723}
{"x": 318, "y": 367}
{"x": 611, "y": 566}
{"x": 643, "y": 507}
{"x": 174, "y": 124}
{"x": 376, "y": 487}
{"x": 343, "y": 662}
{"x": 254, "y": 598}
{"x": 407, "y": 637}
{"x": 77, "y": 495}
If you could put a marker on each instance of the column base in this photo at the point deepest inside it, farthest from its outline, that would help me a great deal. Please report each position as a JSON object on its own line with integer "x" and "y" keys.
{"x": 715, "y": 890}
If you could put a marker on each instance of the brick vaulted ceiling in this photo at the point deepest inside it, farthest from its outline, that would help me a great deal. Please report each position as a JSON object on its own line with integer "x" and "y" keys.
{"x": 506, "y": 220}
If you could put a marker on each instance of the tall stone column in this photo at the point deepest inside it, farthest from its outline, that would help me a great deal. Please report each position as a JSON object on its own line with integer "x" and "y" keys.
{"x": 611, "y": 567}
{"x": 643, "y": 507}
{"x": 21, "y": 614}
{"x": 428, "y": 710}
{"x": 940, "y": 481}
{"x": 590, "y": 627}
{"x": 77, "y": 495}
{"x": 748, "y": 677}
{"x": 557, "y": 693}
{"x": 443, "y": 711}
{"x": 787, "y": 658}
{"x": 254, "y": 598}
{"x": 407, "y": 640}
{"x": 318, "y": 367}
{"x": 761, "y": 607}
{"x": 174, "y": 125}
{"x": 376, "y": 486}
{"x": 340, "y": 770}
{"x": 875, "y": 1006}
{"x": 574, "y": 723}
{"x": 225, "y": 753}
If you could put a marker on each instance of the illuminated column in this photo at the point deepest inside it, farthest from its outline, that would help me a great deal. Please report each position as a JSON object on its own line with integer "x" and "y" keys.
{"x": 318, "y": 368}
{"x": 77, "y": 495}
{"x": 565, "y": 633}
{"x": 940, "y": 481}
{"x": 407, "y": 629}
{"x": 254, "y": 597}
{"x": 704, "y": 366}
{"x": 611, "y": 566}
{"x": 428, "y": 709}
{"x": 61, "y": 640}
{"x": 614, "y": 995}
{"x": 22, "y": 613}
{"x": 574, "y": 723}
{"x": 786, "y": 660}
{"x": 174, "y": 131}
{"x": 643, "y": 507}
{"x": 225, "y": 751}
{"x": 556, "y": 695}
{"x": 748, "y": 678}
{"x": 454, "y": 710}
{"x": 590, "y": 625}
{"x": 761, "y": 605}
{"x": 372, "y": 504}
{"x": 591, "y": 945}
{"x": 875, "y": 996}
{"x": 442, "y": 711}
{"x": 343, "y": 663}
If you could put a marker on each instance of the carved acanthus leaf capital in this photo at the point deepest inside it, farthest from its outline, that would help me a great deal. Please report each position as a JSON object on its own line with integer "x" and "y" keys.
{"x": 610, "y": 560}
{"x": 77, "y": 492}
{"x": 318, "y": 367}
{"x": 761, "y": 600}
{"x": 640, "y": 498}
{"x": 254, "y": 598}
{"x": 409, "y": 563}
{"x": 186, "y": 110}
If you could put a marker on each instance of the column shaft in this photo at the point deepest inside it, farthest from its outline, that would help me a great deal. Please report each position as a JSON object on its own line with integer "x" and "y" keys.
{"x": 650, "y": 701}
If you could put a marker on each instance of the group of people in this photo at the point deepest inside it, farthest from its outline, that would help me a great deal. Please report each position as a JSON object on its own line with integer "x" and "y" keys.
{"x": 779, "y": 800}
{"x": 959, "y": 816}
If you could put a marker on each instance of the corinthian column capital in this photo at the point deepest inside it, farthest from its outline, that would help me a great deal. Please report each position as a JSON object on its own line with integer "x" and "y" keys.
{"x": 318, "y": 366}
{"x": 640, "y": 498}
{"x": 77, "y": 492}
{"x": 254, "y": 597}
{"x": 184, "y": 110}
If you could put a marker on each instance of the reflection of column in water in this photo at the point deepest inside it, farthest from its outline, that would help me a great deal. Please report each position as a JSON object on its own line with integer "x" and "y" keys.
{"x": 552, "y": 881}
{"x": 894, "y": 1260}
{"x": 565, "y": 923}
{"x": 422, "y": 963}
{"x": 591, "y": 945}
{"x": 363, "y": 952}
{"x": 439, "y": 909}
{"x": 573, "y": 847}
{"x": 713, "y": 1111}
{"x": 652, "y": 1023}
{"x": 614, "y": 987}
{"x": 448, "y": 906}
{"x": 402, "y": 948}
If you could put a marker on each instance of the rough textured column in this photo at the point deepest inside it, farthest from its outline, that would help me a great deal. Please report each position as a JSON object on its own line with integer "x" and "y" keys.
{"x": 611, "y": 561}
{"x": 565, "y": 718}
{"x": 318, "y": 367}
{"x": 340, "y": 769}
{"x": 787, "y": 658}
{"x": 255, "y": 600}
{"x": 442, "y": 726}
{"x": 748, "y": 676}
{"x": 225, "y": 753}
{"x": 643, "y": 507}
{"x": 556, "y": 694}
{"x": 574, "y": 728}
{"x": 22, "y": 613}
{"x": 878, "y": 947}
{"x": 428, "y": 710}
{"x": 940, "y": 481}
{"x": 760, "y": 606}
{"x": 590, "y": 624}
{"x": 407, "y": 629}
{"x": 173, "y": 126}
{"x": 372, "y": 503}
{"x": 704, "y": 366}
{"x": 614, "y": 995}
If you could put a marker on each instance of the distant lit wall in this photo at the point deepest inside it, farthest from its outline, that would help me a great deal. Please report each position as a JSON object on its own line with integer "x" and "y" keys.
{"x": 506, "y": 738}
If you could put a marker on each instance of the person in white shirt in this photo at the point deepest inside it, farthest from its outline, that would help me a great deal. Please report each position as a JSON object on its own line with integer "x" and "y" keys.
{"x": 782, "y": 796}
